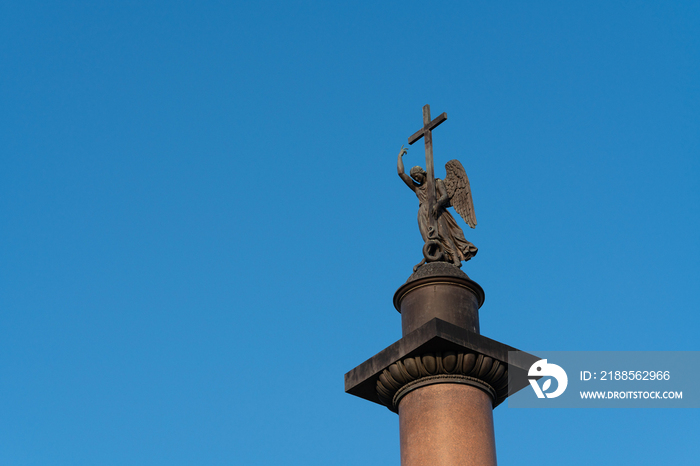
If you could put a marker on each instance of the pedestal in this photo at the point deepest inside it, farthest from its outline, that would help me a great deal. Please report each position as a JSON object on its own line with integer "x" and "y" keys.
{"x": 442, "y": 377}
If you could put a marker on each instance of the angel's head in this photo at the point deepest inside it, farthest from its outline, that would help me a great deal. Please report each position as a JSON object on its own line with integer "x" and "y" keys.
{"x": 418, "y": 174}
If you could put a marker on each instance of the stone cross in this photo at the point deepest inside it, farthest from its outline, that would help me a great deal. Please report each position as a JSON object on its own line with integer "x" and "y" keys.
{"x": 426, "y": 133}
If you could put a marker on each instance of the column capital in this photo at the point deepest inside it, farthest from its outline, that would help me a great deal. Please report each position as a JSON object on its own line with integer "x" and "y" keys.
{"x": 463, "y": 367}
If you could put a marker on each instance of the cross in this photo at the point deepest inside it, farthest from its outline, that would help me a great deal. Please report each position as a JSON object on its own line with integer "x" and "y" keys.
{"x": 426, "y": 133}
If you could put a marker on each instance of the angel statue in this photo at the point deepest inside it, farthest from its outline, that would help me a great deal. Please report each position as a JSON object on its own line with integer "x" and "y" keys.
{"x": 444, "y": 239}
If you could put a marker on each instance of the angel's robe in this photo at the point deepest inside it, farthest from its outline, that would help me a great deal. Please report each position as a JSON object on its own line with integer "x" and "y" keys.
{"x": 449, "y": 234}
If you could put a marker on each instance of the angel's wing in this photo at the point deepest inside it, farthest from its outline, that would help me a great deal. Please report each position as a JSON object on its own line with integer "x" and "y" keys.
{"x": 460, "y": 193}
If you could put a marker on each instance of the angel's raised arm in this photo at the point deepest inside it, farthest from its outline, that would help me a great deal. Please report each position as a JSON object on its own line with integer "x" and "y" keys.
{"x": 399, "y": 167}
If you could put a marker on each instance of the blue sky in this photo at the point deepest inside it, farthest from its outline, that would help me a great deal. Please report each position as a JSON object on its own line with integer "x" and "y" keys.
{"x": 201, "y": 226}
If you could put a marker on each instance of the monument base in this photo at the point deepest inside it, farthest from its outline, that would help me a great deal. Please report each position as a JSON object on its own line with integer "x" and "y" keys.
{"x": 442, "y": 377}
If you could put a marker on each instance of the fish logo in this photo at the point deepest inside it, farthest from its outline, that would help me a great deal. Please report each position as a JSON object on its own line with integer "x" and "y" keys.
{"x": 544, "y": 369}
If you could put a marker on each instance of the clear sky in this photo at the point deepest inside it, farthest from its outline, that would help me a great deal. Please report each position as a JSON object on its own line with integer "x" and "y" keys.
{"x": 201, "y": 226}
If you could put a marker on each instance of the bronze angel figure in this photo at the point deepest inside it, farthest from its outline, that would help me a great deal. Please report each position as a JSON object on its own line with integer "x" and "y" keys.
{"x": 444, "y": 239}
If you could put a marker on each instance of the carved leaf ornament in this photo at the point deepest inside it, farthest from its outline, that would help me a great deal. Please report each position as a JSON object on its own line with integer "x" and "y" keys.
{"x": 488, "y": 374}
